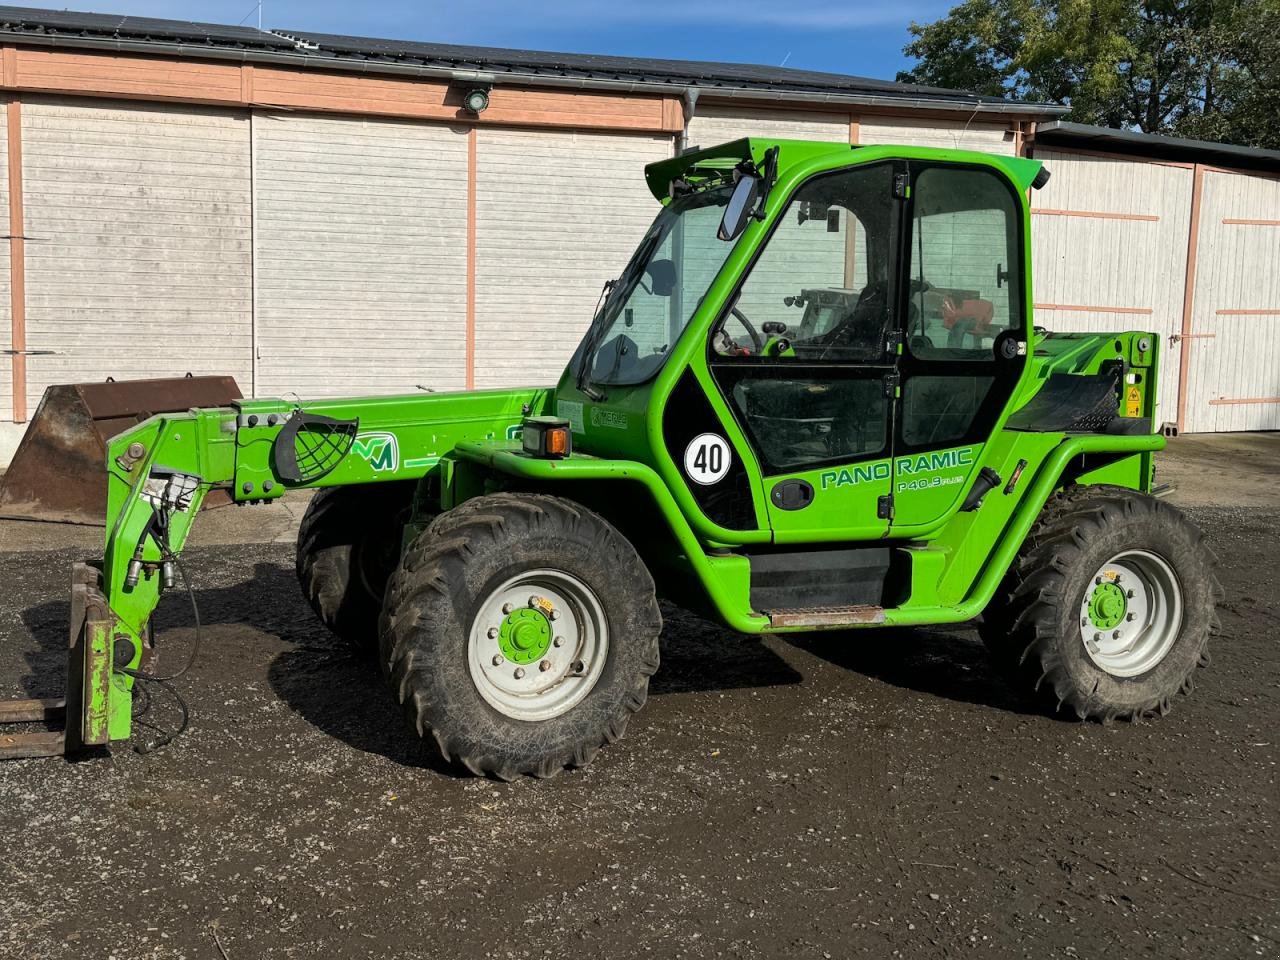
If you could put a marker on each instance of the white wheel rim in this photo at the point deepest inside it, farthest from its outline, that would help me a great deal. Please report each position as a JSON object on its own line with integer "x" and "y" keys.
{"x": 555, "y": 680}
{"x": 1131, "y": 614}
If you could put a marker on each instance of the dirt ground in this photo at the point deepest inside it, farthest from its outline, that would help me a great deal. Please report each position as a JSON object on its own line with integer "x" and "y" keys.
{"x": 878, "y": 794}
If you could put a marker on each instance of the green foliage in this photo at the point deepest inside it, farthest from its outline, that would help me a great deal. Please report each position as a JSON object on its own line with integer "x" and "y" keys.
{"x": 1208, "y": 69}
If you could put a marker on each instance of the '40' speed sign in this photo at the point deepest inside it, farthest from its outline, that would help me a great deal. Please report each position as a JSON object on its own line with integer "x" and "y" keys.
{"x": 706, "y": 459}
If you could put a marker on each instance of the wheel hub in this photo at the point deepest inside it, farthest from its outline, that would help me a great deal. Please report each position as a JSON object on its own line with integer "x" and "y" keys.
{"x": 1131, "y": 614}
{"x": 537, "y": 644}
{"x": 1107, "y": 605}
{"x": 524, "y": 635}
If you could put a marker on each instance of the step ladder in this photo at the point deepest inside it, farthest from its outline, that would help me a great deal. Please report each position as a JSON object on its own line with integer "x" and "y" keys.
{"x": 851, "y": 616}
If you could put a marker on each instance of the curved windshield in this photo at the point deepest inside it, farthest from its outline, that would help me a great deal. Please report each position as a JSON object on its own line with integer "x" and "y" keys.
{"x": 649, "y": 305}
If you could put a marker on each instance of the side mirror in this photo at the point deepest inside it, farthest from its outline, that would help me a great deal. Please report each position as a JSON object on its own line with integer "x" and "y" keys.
{"x": 662, "y": 277}
{"x": 739, "y": 208}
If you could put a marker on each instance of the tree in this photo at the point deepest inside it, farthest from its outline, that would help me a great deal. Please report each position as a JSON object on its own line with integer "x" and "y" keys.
{"x": 1199, "y": 68}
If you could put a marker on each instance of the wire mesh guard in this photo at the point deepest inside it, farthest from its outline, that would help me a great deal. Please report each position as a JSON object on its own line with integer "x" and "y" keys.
{"x": 311, "y": 445}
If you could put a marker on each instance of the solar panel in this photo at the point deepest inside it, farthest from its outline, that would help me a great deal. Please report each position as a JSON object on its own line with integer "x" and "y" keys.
{"x": 677, "y": 73}
{"x": 71, "y": 23}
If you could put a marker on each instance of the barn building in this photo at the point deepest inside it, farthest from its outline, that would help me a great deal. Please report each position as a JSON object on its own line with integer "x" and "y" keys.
{"x": 322, "y": 215}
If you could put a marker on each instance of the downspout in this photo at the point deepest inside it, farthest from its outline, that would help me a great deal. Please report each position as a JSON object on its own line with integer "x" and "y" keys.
{"x": 690, "y": 103}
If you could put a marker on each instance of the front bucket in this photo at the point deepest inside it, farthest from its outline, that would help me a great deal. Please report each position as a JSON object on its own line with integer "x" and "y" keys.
{"x": 59, "y": 472}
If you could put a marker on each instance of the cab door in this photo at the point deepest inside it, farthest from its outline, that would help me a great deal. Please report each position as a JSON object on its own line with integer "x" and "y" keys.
{"x": 805, "y": 358}
{"x": 964, "y": 333}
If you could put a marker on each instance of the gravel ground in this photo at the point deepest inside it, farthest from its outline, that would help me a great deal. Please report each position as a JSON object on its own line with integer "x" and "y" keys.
{"x": 880, "y": 794}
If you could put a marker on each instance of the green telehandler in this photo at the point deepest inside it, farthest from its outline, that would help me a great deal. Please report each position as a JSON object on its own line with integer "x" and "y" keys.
{"x": 814, "y": 399}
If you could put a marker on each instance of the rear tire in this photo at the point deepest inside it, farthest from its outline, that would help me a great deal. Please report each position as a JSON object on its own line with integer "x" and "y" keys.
{"x": 1059, "y": 515}
{"x": 474, "y": 611}
{"x": 1109, "y": 606}
{"x": 348, "y": 545}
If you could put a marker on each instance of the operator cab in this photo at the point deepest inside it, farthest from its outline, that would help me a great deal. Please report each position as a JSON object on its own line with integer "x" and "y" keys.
{"x": 879, "y": 315}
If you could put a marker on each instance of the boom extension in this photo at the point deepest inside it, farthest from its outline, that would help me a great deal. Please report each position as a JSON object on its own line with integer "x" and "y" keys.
{"x": 160, "y": 472}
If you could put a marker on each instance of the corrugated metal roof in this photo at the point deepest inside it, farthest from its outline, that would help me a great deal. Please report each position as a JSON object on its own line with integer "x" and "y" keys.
{"x": 1059, "y": 133}
{"x": 317, "y": 50}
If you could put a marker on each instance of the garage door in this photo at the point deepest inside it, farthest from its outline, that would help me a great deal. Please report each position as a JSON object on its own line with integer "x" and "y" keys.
{"x": 1233, "y": 380}
{"x": 138, "y": 250}
{"x": 557, "y": 214}
{"x": 947, "y": 134}
{"x": 360, "y": 255}
{"x": 1109, "y": 251}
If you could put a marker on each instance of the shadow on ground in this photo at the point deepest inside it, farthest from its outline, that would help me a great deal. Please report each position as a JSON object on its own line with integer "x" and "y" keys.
{"x": 951, "y": 664}
{"x": 342, "y": 694}
{"x": 340, "y": 691}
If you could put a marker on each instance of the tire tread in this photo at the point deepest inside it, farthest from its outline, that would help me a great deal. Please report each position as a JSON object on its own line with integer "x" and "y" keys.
{"x": 1020, "y": 625}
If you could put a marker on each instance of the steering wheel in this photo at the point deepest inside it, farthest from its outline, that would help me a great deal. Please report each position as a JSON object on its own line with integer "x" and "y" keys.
{"x": 757, "y": 341}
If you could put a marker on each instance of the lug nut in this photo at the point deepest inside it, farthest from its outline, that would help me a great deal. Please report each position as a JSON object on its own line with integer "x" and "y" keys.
{"x": 1097, "y": 638}
{"x": 1084, "y": 621}
{"x": 493, "y": 633}
{"x": 1129, "y": 594}
{"x": 533, "y": 600}
{"x": 1115, "y": 634}
{"x": 558, "y": 641}
{"x": 579, "y": 666}
{"x": 544, "y": 666}
{"x": 1130, "y": 617}
{"x": 554, "y": 615}
{"x": 519, "y": 673}
{"x": 507, "y": 608}
{"x": 1097, "y": 580}
{"x": 497, "y": 659}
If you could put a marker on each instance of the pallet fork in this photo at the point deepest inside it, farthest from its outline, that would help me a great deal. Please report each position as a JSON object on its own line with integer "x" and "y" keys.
{"x": 83, "y": 711}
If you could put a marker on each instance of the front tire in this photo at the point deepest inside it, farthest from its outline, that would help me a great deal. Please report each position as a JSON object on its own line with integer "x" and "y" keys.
{"x": 1109, "y": 607}
{"x": 520, "y": 632}
{"x": 348, "y": 544}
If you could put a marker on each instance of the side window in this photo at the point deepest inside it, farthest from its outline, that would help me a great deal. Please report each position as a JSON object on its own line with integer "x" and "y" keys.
{"x": 964, "y": 264}
{"x": 937, "y": 411}
{"x": 820, "y": 290}
{"x": 810, "y": 417}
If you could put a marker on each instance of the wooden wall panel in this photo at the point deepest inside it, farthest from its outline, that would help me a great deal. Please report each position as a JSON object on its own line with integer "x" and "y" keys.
{"x": 155, "y": 78}
{"x": 109, "y": 75}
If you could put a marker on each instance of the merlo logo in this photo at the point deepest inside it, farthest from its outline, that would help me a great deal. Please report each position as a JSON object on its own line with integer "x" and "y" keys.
{"x": 381, "y": 450}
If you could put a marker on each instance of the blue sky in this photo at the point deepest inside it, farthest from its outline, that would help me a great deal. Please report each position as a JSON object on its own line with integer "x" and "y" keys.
{"x": 852, "y": 36}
